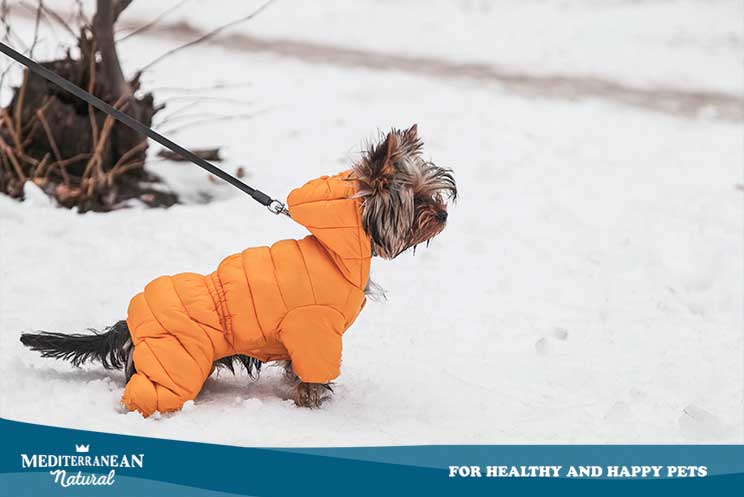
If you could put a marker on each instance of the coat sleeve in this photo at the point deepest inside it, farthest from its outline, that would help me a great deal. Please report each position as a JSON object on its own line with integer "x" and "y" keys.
{"x": 312, "y": 336}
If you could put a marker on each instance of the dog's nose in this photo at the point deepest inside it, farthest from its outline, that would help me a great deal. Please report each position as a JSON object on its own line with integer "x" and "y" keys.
{"x": 442, "y": 216}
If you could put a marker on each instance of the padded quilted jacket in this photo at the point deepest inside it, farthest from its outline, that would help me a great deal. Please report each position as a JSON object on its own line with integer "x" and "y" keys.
{"x": 293, "y": 300}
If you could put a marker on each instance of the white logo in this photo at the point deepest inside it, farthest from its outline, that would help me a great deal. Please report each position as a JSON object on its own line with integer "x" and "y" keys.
{"x": 61, "y": 466}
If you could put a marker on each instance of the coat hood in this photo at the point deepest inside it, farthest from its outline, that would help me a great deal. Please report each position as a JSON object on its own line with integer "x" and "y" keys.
{"x": 327, "y": 206}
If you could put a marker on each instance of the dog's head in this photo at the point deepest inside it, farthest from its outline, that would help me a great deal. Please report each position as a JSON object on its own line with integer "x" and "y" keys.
{"x": 404, "y": 197}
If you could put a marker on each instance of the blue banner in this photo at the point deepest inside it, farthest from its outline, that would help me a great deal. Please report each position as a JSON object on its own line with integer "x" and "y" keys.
{"x": 43, "y": 460}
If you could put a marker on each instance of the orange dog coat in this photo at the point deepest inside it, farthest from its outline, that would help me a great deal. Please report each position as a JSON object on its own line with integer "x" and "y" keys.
{"x": 293, "y": 300}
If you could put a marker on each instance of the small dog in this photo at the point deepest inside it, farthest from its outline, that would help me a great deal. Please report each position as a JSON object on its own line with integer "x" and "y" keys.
{"x": 289, "y": 303}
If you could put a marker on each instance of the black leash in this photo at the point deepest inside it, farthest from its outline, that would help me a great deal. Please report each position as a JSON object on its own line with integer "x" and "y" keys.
{"x": 272, "y": 204}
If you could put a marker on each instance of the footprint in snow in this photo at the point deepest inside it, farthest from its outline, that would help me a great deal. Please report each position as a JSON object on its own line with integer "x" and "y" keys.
{"x": 560, "y": 333}
{"x": 544, "y": 346}
{"x": 698, "y": 424}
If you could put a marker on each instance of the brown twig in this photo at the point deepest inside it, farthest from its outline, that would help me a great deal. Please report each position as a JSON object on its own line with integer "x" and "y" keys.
{"x": 17, "y": 40}
{"x": 150, "y": 24}
{"x": 27, "y": 159}
{"x": 210, "y": 154}
{"x": 68, "y": 162}
{"x": 11, "y": 129}
{"x": 179, "y": 115}
{"x": 19, "y": 106}
{"x": 4, "y": 11}
{"x": 29, "y": 129}
{"x": 123, "y": 169}
{"x": 11, "y": 156}
{"x": 193, "y": 102}
{"x": 96, "y": 160}
{"x": 6, "y": 165}
{"x": 40, "y": 166}
{"x": 200, "y": 122}
{"x": 36, "y": 29}
{"x": 49, "y": 134}
{"x": 91, "y": 89}
{"x": 53, "y": 145}
{"x": 81, "y": 17}
{"x": 206, "y": 36}
{"x": 51, "y": 15}
{"x": 129, "y": 153}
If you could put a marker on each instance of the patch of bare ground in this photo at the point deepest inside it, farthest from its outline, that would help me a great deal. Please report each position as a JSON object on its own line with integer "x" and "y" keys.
{"x": 676, "y": 101}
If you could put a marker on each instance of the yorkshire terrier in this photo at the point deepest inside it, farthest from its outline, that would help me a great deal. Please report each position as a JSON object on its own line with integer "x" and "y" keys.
{"x": 289, "y": 303}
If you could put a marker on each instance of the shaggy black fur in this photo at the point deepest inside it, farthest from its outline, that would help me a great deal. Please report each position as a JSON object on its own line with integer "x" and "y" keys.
{"x": 251, "y": 365}
{"x": 110, "y": 347}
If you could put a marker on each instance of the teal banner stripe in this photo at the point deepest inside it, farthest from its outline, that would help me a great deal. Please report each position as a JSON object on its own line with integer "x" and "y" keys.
{"x": 169, "y": 466}
{"x": 39, "y": 485}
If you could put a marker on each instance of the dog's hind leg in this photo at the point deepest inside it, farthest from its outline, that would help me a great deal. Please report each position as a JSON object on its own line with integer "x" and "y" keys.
{"x": 167, "y": 375}
{"x": 173, "y": 353}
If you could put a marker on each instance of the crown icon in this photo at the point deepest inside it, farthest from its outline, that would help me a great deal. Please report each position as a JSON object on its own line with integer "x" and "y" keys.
{"x": 82, "y": 448}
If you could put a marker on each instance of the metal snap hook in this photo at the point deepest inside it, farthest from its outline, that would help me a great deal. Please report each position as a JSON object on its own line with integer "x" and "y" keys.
{"x": 277, "y": 207}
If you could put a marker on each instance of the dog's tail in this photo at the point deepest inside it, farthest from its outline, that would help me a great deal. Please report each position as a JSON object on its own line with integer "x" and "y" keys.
{"x": 111, "y": 347}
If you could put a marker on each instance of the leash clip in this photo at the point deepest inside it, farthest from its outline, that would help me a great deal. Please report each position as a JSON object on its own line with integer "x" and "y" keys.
{"x": 277, "y": 207}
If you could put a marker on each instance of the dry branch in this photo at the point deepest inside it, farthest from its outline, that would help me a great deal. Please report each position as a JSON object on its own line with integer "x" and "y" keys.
{"x": 36, "y": 29}
{"x": 207, "y": 36}
{"x": 211, "y": 154}
{"x": 74, "y": 152}
{"x": 51, "y": 16}
{"x": 152, "y": 23}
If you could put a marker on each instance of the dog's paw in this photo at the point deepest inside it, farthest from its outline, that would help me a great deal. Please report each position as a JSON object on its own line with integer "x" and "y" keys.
{"x": 289, "y": 374}
{"x": 312, "y": 395}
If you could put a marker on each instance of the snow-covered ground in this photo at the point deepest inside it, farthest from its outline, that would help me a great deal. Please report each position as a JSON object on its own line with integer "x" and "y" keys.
{"x": 639, "y": 42}
{"x": 588, "y": 287}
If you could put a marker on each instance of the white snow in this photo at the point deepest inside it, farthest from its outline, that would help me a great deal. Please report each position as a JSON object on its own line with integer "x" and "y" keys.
{"x": 588, "y": 287}
{"x": 645, "y": 43}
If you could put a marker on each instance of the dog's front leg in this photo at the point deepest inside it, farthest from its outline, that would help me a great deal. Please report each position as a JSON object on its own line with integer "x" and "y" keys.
{"x": 312, "y": 394}
{"x": 307, "y": 394}
{"x": 289, "y": 375}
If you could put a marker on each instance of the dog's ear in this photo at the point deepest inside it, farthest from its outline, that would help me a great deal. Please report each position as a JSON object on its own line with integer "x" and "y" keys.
{"x": 411, "y": 133}
{"x": 377, "y": 170}
{"x": 409, "y": 145}
{"x": 388, "y": 170}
